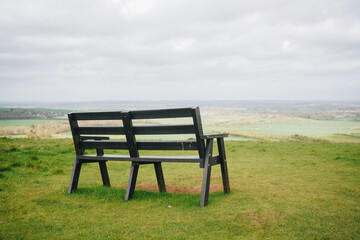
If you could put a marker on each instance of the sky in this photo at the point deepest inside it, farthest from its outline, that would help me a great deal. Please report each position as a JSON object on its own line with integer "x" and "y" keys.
{"x": 100, "y": 50}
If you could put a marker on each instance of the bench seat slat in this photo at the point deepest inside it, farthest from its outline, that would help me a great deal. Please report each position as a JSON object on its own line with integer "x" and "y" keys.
{"x": 141, "y": 145}
{"x": 112, "y": 157}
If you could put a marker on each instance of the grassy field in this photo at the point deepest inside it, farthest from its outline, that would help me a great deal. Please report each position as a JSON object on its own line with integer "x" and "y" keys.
{"x": 306, "y": 128}
{"x": 248, "y": 128}
{"x": 25, "y": 122}
{"x": 279, "y": 190}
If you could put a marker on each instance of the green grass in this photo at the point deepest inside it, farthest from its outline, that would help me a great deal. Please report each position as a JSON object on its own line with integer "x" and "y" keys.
{"x": 279, "y": 190}
{"x": 353, "y": 137}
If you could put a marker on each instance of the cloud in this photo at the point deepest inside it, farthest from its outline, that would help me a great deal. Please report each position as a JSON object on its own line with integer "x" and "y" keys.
{"x": 120, "y": 50}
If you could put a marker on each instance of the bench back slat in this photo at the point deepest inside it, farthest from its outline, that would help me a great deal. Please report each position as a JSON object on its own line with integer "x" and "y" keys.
{"x": 138, "y": 130}
{"x": 167, "y": 145}
{"x": 97, "y": 116}
{"x": 99, "y": 144}
{"x": 101, "y": 130}
{"x": 129, "y": 131}
{"x": 161, "y": 113}
{"x": 169, "y": 129}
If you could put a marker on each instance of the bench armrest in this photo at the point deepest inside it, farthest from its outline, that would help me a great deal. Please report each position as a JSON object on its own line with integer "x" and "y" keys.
{"x": 216, "y": 135}
{"x": 94, "y": 138}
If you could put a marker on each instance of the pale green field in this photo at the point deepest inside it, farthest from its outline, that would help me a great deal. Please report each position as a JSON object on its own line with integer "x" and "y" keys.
{"x": 240, "y": 128}
{"x": 305, "y": 128}
{"x": 24, "y": 122}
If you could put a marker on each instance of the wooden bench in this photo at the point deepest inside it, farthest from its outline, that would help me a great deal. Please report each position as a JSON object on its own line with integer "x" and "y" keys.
{"x": 96, "y": 137}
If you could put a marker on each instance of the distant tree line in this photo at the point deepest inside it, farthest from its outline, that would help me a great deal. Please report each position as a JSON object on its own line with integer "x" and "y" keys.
{"x": 29, "y": 113}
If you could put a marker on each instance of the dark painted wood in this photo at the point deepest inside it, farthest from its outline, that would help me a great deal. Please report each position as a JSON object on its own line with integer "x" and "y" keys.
{"x": 140, "y": 114}
{"x": 144, "y": 163}
{"x": 98, "y": 144}
{"x": 208, "y": 136}
{"x": 99, "y": 152}
{"x": 132, "y": 180}
{"x": 167, "y": 145}
{"x": 106, "y": 130}
{"x": 93, "y": 138}
{"x": 207, "y": 173}
{"x": 109, "y": 115}
{"x": 104, "y": 173}
{"x": 160, "y": 177}
{"x": 103, "y": 169}
{"x": 150, "y": 159}
{"x": 162, "y": 113}
{"x": 134, "y": 153}
{"x": 76, "y": 136}
{"x": 130, "y": 136}
{"x": 138, "y": 130}
{"x": 223, "y": 165}
{"x": 198, "y": 132}
{"x": 215, "y": 160}
{"x": 75, "y": 176}
{"x": 91, "y": 161}
{"x": 170, "y": 129}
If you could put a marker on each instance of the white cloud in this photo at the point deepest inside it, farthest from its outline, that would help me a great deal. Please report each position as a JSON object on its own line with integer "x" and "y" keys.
{"x": 70, "y": 50}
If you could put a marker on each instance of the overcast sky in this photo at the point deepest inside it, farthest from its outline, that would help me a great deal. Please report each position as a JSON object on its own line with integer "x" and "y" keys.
{"x": 175, "y": 50}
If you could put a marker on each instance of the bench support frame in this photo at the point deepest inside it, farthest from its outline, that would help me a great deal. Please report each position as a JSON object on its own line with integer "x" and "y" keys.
{"x": 206, "y": 157}
{"x": 132, "y": 180}
{"x": 75, "y": 176}
{"x": 205, "y": 188}
{"x": 207, "y": 165}
{"x": 160, "y": 177}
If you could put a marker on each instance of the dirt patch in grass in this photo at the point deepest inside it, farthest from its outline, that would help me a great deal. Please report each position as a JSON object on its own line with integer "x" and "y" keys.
{"x": 256, "y": 218}
{"x": 178, "y": 189}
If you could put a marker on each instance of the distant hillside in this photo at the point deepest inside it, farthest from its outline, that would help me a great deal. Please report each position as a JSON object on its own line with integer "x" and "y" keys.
{"x": 31, "y": 113}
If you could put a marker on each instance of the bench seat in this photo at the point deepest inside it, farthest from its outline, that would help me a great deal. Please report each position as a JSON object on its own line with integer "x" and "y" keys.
{"x": 150, "y": 159}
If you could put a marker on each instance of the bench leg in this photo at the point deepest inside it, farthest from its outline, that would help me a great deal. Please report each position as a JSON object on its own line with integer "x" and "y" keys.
{"x": 223, "y": 165}
{"x": 104, "y": 173}
{"x": 132, "y": 181}
{"x": 75, "y": 176}
{"x": 160, "y": 177}
{"x": 207, "y": 173}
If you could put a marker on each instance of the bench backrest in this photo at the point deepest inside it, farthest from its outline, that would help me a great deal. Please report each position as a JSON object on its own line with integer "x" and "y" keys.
{"x": 130, "y": 131}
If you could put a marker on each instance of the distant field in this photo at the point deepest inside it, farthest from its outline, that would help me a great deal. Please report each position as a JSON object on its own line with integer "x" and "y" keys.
{"x": 24, "y": 122}
{"x": 255, "y": 121}
{"x": 279, "y": 190}
{"x": 239, "y": 129}
{"x": 306, "y": 128}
